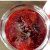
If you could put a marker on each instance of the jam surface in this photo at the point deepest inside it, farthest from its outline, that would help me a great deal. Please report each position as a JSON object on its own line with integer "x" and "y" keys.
{"x": 25, "y": 29}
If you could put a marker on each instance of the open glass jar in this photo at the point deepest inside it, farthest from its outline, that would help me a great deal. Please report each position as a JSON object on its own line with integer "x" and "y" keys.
{"x": 35, "y": 20}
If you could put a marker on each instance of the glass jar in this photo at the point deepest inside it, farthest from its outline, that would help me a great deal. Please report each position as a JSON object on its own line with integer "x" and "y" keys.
{"x": 18, "y": 7}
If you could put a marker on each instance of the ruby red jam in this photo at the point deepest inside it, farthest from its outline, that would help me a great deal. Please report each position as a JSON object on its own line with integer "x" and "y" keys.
{"x": 25, "y": 29}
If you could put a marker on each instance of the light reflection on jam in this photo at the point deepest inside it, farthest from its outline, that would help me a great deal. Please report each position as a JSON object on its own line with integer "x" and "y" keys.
{"x": 25, "y": 29}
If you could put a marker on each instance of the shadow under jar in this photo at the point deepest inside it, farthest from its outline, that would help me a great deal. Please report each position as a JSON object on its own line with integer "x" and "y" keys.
{"x": 25, "y": 27}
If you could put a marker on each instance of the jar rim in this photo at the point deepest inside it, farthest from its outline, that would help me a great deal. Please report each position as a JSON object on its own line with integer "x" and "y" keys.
{"x": 37, "y": 9}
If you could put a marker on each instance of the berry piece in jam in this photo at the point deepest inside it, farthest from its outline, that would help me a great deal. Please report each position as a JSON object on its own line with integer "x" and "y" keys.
{"x": 25, "y": 29}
